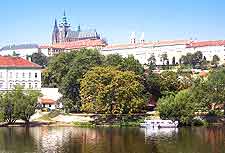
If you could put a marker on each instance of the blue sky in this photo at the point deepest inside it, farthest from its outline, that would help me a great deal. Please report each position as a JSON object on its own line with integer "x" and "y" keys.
{"x": 31, "y": 21}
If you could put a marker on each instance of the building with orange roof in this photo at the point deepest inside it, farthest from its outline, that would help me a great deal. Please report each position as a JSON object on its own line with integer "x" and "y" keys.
{"x": 18, "y": 71}
{"x": 54, "y": 49}
{"x": 174, "y": 49}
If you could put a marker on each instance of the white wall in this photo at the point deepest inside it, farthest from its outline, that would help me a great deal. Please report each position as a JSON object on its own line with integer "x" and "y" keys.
{"x": 22, "y": 52}
{"x": 51, "y": 93}
{"x": 143, "y": 53}
{"x": 25, "y": 77}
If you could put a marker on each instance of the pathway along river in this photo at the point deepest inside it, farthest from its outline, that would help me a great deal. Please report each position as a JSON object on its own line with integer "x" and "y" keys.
{"x": 112, "y": 140}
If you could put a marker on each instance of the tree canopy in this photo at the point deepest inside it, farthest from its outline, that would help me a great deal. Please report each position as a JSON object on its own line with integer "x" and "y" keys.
{"x": 111, "y": 91}
{"x": 18, "y": 104}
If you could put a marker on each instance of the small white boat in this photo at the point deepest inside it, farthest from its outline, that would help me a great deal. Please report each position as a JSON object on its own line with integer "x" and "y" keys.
{"x": 159, "y": 124}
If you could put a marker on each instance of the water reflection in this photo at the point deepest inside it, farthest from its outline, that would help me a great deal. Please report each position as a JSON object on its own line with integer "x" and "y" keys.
{"x": 112, "y": 140}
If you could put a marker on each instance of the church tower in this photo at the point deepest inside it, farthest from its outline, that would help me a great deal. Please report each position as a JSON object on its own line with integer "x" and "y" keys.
{"x": 64, "y": 27}
{"x": 55, "y": 33}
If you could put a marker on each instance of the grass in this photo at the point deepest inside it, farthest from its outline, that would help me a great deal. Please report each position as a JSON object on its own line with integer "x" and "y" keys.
{"x": 84, "y": 124}
{"x": 117, "y": 123}
{"x": 49, "y": 116}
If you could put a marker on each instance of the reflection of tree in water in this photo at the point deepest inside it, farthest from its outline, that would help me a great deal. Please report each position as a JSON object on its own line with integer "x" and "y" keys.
{"x": 16, "y": 140}
{"x": 99, "y": 140}
{"x": 110, "y": 140}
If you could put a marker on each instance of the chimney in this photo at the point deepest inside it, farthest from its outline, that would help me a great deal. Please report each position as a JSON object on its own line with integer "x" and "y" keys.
{"x": 132, "y": 38}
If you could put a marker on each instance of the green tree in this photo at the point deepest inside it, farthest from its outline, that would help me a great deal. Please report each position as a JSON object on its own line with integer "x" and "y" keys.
{"x": 114, "y": 60}
{"x": 164, "y": 57}
{"x": 197, "y": 58}
{"x": 40, "y": 59}
{"x": 108, "y": 90}
{"x": 215, "y": 60}
{"x": 151, "y": 82}
{"x": 216, "y": 86}
{"x": 168, "y": 82}
{"x": 68, "y": 104}
{"x": 83, "y": 61}
{"x": 173, "y": 61}
{"x": 179, "y": 107}
{"x": 18, "y": 104}
{"x": 131, "y": 64}
{"x": 152, "y": 62}
{"x": 28, "y": 104}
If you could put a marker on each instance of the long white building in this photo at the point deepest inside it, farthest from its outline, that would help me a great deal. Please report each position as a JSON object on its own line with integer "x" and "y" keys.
{"x": 18, "y": 71}
{"x": 22, "y": 50}
{"x": 173, "y": 48}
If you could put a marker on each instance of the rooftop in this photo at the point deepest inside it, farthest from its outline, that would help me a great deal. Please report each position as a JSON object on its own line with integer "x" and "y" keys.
{"x": 47, "y": 101}
{"x": 20, "y": 46}
{"x": 206, "y": 43}
{"x": 78, "y": 44}
{"x": 160, "y": 43}
{"x": 16, "y": 62}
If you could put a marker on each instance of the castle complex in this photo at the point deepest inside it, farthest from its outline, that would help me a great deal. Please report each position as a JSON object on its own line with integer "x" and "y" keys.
{"x": 62, "y": 32}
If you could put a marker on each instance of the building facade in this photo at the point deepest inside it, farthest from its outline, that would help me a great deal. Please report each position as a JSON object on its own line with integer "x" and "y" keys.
{"x": 174, "y": 49}
{"x": 18, "y": 71}
{"x": 22, "y": 50}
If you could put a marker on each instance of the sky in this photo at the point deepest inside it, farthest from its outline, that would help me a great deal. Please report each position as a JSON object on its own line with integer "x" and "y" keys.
{"x": 32, "y": 21}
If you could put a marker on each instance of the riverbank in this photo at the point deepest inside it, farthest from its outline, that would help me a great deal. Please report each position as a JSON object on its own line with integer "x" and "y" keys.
{"x": 59, "y": 119}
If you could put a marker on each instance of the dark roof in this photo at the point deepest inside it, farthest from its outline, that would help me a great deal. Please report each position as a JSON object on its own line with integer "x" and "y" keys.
{"x": 21, "y": 46}
{"x": 82, "y": 34}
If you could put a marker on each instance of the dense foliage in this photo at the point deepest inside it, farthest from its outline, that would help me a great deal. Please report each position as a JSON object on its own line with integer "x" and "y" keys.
{"x": 40, "y": 59}
{"x": 114, "y": 84}
{"x": 179, "y": 107}
{"x": 18, "y": 104}
{"x": 108, "y": 90}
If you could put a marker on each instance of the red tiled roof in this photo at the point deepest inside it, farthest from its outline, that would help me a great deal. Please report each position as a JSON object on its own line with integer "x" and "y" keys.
{"x": 203, "y": 74}
{"x": 17, "y": 62}
{"x": 47, "y": 101}
{"x": 206, "y": 43}
{"x": 146, "y": 44}
{"x": 77, "y": 44}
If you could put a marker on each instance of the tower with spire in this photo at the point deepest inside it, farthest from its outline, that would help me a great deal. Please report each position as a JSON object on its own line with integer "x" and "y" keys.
{"x": 64, "y": 28}
{"x": 62, "y": 32}
{"x": 55, "y": 33}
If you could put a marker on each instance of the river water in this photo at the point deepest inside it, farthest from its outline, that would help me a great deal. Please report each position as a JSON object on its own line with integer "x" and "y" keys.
{"x": 112, "y": 140}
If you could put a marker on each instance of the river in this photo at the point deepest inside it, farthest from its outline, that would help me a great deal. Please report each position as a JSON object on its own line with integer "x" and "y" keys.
{"x": 112, "y": 140}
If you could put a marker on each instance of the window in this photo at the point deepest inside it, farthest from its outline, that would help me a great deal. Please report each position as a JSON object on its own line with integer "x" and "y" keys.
{"x": 10, "y": 85}
{"x": 29, "y": 74}
{"x": 17, "y": 74}
{"x": 10, "y": 75}
{"x": 23, "y": 75}
{"x": 30, "y": 86}
{"x": 1, "y": 85}
{"x": 36, "y": 85}
{"x": 23, "y": 84}
{"x": 49, "y": 105}
{"x": 0, "y": 74}
{"x": 35, "y": 75}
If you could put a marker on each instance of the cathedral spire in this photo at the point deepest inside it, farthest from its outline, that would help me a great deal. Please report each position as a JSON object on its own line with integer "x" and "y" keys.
{"x": 55, "y": 33}
{"x": 55, "y": 26}
{"x": 64, "y": 19}
{"x": 64, "y": 13}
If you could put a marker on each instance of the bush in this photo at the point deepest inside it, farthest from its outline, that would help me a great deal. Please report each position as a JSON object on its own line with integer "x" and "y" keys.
{"x": 197, "y": 121}
{"x": 179, "y": 107}
{"x": 215, "y": 113}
